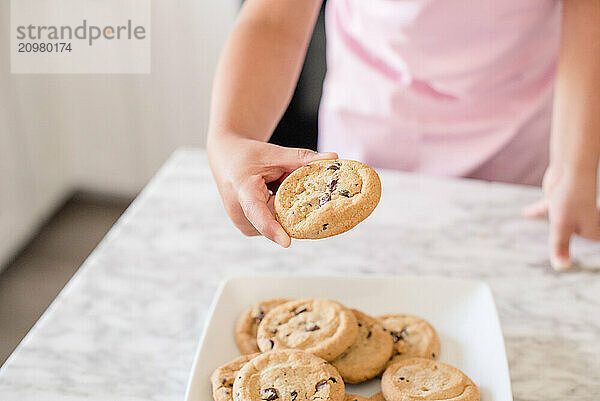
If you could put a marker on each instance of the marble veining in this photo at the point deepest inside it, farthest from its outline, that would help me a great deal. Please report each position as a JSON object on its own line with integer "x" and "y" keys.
{"x": 127, "y": 325}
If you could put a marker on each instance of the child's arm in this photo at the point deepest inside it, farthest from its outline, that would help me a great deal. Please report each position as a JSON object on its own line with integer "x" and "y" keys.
{"x": 571, "y": 180}
{"x": 254, "y": 82}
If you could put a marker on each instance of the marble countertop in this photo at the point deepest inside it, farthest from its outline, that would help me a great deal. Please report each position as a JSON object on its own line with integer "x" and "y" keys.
{"x": 127, "y": 325}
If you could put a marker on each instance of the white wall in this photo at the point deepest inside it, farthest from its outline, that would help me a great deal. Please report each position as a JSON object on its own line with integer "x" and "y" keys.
{"x": 105, "y": 133}
{"x": 121, "y": 128}
{"x": 33, "y": 170}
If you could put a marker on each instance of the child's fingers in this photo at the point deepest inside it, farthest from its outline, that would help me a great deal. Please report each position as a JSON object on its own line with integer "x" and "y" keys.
{"x": 293, "y": 158}
{"x": 274, "y": 186}
{"x": 253, "y": 197}
{"x": 536, "y": 210}
{"x": 560, "y": 236}
{"x": 591, "y": 228}
{"x": 244, "y": 225}
{"x": 236, "y": 214}
{"x": 592, "y": 234}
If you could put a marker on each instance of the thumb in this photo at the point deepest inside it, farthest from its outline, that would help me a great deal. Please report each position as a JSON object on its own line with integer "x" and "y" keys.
{"x": 591, "y": 229}
{"x": 560, "y": 236}
{"x": 293, "y": 158}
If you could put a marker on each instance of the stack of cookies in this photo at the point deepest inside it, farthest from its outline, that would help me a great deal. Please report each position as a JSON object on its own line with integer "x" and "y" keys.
{"x": 308, "y": 349}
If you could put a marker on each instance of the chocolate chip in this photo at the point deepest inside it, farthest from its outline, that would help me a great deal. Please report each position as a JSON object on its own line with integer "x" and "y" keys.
{"x": 294, "y": 394}
{"x": 333, "y": 167}
{"x": 312, "y": 327}
{"x": 399, "y": 335}
{"x": 324, "y": 199}
{"x": 320, "y": 385}
{"x": 433, "y": 355}
{"x": 223, "y": 381}
{"x": 230, "y": 385}
{"x": 332, "y": 185}
{"x": 271, "y": 344}
{"x": 345, "y": 193}
{"x": 261, "y": 314}
{"x": 325, "y": 226}
{"x": 274, "y": 331}
{"x": 269, "y": 394}
{"x": 360, "y": 325}
{"x": 369, "y": 335}
{"x": 333, "y": 379}
{"x": 402, "y": 378}
{"x": 299, "y": 310}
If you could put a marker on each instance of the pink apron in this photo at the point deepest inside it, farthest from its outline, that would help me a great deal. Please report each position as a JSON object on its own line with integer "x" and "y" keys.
{"x": 444, "y": 87}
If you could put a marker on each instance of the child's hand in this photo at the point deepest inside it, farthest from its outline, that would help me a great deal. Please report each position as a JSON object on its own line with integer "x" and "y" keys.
{"x": 245, "y": 170}
{"x": 570, "y": 204}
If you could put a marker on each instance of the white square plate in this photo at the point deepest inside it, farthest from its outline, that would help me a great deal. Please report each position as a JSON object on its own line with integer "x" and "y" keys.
{"x": 462, "y": 312}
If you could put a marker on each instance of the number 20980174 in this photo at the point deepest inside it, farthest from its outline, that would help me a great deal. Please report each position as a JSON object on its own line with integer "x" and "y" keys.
{"x": 44, "y": 47}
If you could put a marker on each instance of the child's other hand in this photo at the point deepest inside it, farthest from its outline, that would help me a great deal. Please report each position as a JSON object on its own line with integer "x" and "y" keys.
{"x": 570, "y": 204}
{"x": 247, "y": 173}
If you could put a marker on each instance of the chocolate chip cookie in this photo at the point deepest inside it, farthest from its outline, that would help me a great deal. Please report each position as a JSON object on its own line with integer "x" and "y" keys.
{"x": 413, "y": 337}
{"x": 322, "y": 327}
{"x": 222, "y": 378}
{"x": 247, "y": 324}
{"x": 350, "y": 397}
{"x": 426, "y": 379}
{"x": 367, "y": 357}
{"x": 326, "y": 198}
{"x": 288, "y": 375}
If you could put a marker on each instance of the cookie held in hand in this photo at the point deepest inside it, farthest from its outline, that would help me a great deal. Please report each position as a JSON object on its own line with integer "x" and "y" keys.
{"x": 326, "y": 198}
